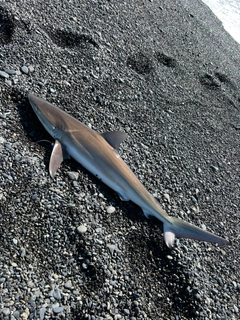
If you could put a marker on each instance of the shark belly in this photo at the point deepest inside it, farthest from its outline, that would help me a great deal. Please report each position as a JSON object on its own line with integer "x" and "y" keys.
{"x": 106, "y": 174}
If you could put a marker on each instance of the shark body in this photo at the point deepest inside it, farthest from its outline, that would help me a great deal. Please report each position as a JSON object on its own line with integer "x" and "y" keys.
{"x": 97, "y": 153}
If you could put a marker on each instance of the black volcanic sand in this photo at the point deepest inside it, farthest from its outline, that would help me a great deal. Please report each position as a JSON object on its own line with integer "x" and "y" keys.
{"x": 166, "y": 73}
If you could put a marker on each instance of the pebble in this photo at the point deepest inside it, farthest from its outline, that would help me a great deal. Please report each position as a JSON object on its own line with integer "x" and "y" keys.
{"x": 23, "y": 252}
{"x": 2, "y": 280}
{"x": 236, "y": 310}
{"x": 82, "y": 229}
{"x": 214, "y": 291}
{"x": 110, "y": 209}
{"x": 112, "y": 248}
{"x": 8, "y": 82}
{"x": 6, "y": 311}
{"x": 4, "y": 74}
{"x": 68, "y": 284}
{"x": 42, "y": 313}
{"x": 126, "y": 311}
{"x": 73, "y": 175}
{"x": 166, "y": 195}
{"x": 24, "y": 69}
{"x": 58, "y": 309}
{"x": 84, "y": 265}
{"x": 214, "y": 169}
{"x": 199, "y": 170}
{"x": 57, "y": 294}
{"x": 25, "y": 314}
{"x": 14, "y": 264}
{"x": 31, "y": 68}
{"x": 16, "y": 314}
{"x": 10, "y": 72}
{"x": 17, "y": 157}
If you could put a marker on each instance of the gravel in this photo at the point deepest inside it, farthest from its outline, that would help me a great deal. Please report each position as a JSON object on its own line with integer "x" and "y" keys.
{"x": 169, "y": 77}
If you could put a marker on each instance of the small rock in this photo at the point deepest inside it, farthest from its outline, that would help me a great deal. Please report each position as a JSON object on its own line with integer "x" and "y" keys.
{"x": 57, "y": 294}
{"x": 73, "y": 175}
{"x": 17, "y": 157}
{"x": 15, "y": 80}
{"x": 84, "y": 265}
{"x": 199, "y": 170}
{"x": 110, "y": 209}
{"x": 66, "y": 83}
{"x": 25, "y": 314}
{"x": 6, "y": 311}
{"x": 126, "y": 312}
{"x": 10, "y": 72}
{"x": 166, "y": 195}
{"x": 42, "y": 313}
{"x": 82, "y": 229}
{"x": 112, "y": 248}
{"x": 30, "y": 284}
{"x": 194, "y": 200}
{"x": 23, "y": 252}
{"x": 68, "y": 284}
{"x": 24, "y": 69}
{"x": 58, "y": 309}
{"x": 31, "y": 68}
{"x": 214, "y": 291}
{"x": 16, "y": 314}
{"x": 14, "y": 264}
{"x": 101, "y": 196}
{"x": 135, "y": 303}
{"x": 4, "y": 74}
{"x": 214, "y": 169}
{"x": 236, "y": 310}
{"x": 2, "y": 280}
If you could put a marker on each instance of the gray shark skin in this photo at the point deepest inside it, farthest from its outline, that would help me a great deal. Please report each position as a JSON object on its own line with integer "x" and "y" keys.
{"x": 97, "y": 153}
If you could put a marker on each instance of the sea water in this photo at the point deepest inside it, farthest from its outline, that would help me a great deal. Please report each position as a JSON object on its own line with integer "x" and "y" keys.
{"x": 228, "y": 11}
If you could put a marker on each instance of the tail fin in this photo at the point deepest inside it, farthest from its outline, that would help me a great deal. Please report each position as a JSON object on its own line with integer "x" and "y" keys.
{"x": 181, "y": 229}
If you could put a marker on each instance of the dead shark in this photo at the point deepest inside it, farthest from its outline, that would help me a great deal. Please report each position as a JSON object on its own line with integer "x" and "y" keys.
{"x": 97, "y": 153}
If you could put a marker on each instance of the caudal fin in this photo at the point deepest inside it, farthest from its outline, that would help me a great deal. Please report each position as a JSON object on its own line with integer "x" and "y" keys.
{"x": 177, "y": 228}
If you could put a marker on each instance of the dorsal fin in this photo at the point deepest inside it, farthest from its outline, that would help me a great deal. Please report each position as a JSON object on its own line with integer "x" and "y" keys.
{"x": 58, "y": 155}
{"x": 114, "y": 138}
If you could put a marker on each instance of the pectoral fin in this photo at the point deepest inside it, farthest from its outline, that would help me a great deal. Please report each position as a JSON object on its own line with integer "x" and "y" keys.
{"x": 114, "y": 138}
{"x": 59, "y": 153}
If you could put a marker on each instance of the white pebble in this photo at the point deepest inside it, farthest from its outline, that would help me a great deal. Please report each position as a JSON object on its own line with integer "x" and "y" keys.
{"x": 82, "y": 229}
{"x": 110, "y": 209}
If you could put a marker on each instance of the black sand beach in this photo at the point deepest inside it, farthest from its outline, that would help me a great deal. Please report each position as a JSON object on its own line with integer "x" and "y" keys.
{"x": 168, "y": 74}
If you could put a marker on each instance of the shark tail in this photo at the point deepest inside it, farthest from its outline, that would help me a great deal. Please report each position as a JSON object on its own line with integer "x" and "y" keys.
{"x": 177, "y": 228}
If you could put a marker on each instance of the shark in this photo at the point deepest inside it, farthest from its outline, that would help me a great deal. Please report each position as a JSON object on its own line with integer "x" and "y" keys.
{"x": 97, "y": 152}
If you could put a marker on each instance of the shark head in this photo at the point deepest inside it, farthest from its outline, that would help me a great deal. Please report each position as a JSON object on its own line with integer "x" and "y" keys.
{"x": 46, "y": 113}
{"x": 54, "y": 120}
